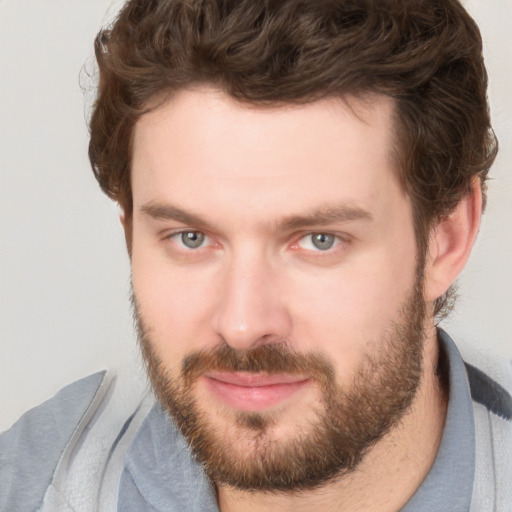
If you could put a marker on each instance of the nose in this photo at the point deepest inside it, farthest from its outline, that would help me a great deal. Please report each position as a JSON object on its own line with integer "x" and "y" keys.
{"x": 251, "y": 305}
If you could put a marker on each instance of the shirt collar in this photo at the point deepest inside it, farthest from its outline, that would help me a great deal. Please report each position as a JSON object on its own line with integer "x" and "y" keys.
{"x": 161, "y": 473}
{"x": 449, "y": 484}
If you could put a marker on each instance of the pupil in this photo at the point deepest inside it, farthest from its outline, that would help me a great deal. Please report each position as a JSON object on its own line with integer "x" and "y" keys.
{"x": 323, "y": 241}
{"x": 192, "y": 239}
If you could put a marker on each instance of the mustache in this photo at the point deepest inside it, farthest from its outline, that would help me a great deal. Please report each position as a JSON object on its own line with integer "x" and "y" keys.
{"x": 277, "y": 358}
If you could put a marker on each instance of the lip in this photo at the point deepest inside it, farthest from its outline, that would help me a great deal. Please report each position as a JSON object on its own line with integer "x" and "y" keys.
{"x": 247, "y": 391}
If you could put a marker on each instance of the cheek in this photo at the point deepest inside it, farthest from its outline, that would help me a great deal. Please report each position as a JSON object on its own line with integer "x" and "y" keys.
{"x": 347, "y": 313}
{"x": 174, "y": 304}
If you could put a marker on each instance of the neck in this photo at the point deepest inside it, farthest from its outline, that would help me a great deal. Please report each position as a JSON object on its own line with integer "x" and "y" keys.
{"x": 390, "y": 472}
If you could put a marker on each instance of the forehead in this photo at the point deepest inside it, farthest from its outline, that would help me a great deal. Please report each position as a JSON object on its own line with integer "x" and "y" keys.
{"x": 202, "y": 147}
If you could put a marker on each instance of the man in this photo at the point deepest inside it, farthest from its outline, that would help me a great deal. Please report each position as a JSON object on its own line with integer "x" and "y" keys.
{"x": 301, "y": 183}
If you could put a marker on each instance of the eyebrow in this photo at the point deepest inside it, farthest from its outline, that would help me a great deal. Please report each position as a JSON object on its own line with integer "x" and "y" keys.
{"x": 326, "y": 215}
{"x": 170, "y": 212}
{"x": 323, "y": 216}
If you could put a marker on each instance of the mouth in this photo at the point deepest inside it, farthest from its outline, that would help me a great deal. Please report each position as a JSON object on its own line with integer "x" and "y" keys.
{"x": 245, "y": 391}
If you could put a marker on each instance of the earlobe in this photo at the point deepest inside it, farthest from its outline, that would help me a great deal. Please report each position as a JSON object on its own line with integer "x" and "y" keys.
{"x": 122, "y": 217}
{"x": 127, "y": 228}
{"x": 451, "y": 242}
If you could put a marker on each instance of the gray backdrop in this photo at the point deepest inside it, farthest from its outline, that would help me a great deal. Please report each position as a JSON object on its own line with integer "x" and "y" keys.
{"x": 64, "y": 274}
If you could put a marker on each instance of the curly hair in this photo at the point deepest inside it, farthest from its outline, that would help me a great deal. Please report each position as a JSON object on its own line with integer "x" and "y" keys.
{"x": 425, "y": 54}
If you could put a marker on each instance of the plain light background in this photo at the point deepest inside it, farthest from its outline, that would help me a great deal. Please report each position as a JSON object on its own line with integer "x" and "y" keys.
{"x": 64, "y": 273}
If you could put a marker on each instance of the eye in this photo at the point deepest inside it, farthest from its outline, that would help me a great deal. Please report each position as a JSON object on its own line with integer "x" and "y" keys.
{"x": 190, "y": 239}
{"x": 319, "y": 241}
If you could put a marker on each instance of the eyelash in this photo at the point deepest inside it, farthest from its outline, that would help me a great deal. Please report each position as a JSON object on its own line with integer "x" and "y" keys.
{"x": 340, "y": 242}
{"x": 175, "y": 236}
{"x": 335, "y": 241}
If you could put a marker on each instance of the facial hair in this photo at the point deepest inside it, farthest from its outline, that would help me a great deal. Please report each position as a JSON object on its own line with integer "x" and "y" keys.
{"x": 345, "y": 424}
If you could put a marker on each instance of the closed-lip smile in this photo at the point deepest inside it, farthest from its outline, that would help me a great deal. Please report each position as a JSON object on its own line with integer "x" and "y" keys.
{"x": 247, "y": 391}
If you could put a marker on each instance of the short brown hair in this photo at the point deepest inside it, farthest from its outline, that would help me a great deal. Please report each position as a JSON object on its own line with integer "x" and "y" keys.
{"x": 425, "y": 54}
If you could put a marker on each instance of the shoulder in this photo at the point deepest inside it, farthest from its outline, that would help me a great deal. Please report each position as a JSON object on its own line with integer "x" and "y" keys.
{"x": 488, "y": 392}
{"x": 490, "y": 382}
{"x": 71, "y": 434}
{"x": 30, "y": 450}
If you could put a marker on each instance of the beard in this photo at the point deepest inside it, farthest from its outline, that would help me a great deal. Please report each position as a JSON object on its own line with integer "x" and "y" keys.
{"x": 342, "y": 426}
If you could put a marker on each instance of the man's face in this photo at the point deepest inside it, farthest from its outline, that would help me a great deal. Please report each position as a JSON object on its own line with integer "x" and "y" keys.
{"x": 277, "y": 289}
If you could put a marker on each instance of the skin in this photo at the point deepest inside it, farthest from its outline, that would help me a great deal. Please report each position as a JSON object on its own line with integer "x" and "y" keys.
{"x": 254, "y": 181}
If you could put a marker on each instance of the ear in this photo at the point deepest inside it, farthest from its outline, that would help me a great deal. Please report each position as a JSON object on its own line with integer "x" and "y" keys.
{"x": 127, "y": 227}
{"x": 451, "y": 242}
